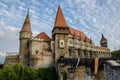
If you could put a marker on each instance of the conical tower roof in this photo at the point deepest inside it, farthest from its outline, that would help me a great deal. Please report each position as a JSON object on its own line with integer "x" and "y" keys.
{"x": 60, "y": 20}
{"x": 103, "y": 38}
{"x": 26, "y": 26}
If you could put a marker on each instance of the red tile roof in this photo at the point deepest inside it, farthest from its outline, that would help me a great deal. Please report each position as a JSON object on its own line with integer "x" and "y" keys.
{"x": 77, "y": 33}
{"x": 60, "y": 20}
{"x": 44, "y": 36}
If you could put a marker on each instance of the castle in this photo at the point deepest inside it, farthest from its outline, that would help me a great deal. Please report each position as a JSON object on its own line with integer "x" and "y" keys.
{"x": 44, "y": 51}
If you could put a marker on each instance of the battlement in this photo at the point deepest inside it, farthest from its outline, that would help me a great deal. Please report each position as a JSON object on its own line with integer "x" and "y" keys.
{"x": 12, "y": 54}
{"x": 37, "y": 39}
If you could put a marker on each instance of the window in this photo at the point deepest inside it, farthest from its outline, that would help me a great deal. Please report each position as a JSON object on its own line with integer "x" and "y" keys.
{"x": 52, "y": 44}
{"x": 37, "y": 51}
{"x": 61, "y": 43}
{"x": 70, "y": 42}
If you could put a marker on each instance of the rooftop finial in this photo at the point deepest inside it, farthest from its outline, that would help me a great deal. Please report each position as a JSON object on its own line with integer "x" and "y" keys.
{"x": 28, "y": 12}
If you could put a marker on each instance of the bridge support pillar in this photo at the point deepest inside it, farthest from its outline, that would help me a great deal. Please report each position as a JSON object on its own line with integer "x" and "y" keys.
{"x": 82, "y": 53}
{"x": 92, "y": 54}
{"x": 87, "y": 54}
{"x": 96, "y": 65}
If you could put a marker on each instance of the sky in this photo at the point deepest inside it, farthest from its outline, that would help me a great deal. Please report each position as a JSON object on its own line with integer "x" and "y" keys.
{"x": 93, "y": 17}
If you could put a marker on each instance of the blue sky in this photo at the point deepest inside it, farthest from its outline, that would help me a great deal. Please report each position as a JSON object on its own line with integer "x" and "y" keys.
{"x": 93, "y": 17}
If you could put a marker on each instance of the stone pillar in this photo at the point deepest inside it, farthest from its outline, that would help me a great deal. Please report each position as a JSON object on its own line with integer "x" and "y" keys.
{"x": 82, "y": 54}
{"x": 100, "y": 54}
{"x": 92, "y": 54}
{"x": 96, "y": 65}
{"x": 87, "y": 53}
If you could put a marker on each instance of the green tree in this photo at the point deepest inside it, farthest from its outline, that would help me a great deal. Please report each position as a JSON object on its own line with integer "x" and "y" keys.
{"x": 65, "y": 75}
{"x": 46, "y": 74}
{"x": 115, "y": 54}
{"x": 17, "y": 72}
{"x": 23, "y": 72}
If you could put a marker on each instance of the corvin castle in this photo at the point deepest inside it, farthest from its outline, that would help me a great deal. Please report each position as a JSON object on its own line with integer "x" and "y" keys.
{"x": 44, "y": 51}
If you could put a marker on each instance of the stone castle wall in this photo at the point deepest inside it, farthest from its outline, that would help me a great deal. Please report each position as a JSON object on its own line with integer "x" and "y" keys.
{"x": 11, "y": 59}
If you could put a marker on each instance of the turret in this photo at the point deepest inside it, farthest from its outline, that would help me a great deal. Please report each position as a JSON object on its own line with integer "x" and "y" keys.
{"x": 59, "y": 34}
{"x": 25, "y": 35}
{"x": 103, "y": 41}
{"x": 60, "y": 25}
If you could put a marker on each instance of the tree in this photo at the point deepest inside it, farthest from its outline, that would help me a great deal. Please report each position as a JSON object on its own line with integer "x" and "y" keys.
{"x": 65, "y": 75}
{"x": 23, "y": 72}
{"x": 46, "y": 74}
{"x": 115, "y": 54}
{"x": 17, "y": 72}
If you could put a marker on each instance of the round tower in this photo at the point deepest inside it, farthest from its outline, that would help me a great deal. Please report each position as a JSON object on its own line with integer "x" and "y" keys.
{"x": 59, "y": 34}
{"x": 103, "y": 41}
{"x": 25, "y": 35}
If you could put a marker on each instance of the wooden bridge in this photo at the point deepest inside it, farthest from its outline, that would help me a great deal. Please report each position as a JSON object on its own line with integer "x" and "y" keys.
{"x": 88, "y": 62}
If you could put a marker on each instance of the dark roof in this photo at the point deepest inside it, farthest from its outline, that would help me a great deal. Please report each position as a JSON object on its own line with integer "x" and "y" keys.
{"x": 103, "y": 38}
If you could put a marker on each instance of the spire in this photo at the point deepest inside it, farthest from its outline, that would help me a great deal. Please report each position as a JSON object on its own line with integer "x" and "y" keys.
{"x": 74, "y": 35}
{"x": 80, "y": 38}
{"x": 103, "y": 38}
{"x": 60, "y": 20}
{"x": 91, "y": 40}
{"x": 86, "y": 39}
{"x": 26, "y": 26}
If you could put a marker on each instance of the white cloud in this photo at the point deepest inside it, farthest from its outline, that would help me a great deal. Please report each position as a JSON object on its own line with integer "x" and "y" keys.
{"x": 9, "y": 38}
{"x": 35, "y": 33}
{"x": 20, "y": 7}
{"x": 2, "y": 34}
{"x": 93, "y": 17}
{"x": 35, "y": 2}
{"x": 96, "y": 17}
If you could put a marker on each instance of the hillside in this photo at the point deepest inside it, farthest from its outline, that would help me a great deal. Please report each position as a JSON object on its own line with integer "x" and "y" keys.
{"x": 115, "y": 53}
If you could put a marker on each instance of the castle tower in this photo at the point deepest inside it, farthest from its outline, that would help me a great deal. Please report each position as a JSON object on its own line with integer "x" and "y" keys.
{"x": 25, "y": 35}
{"x": 59, "y": 34}
{"x": 103, "y": 41}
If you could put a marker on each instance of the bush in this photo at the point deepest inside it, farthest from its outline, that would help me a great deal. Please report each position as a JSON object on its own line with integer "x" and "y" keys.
{"x": 65, "y": 75}
{"x": 46, "y": 74}
{"x": 23, "y": 72}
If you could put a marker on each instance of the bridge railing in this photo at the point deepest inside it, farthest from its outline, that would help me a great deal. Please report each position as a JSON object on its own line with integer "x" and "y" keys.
{"x": 88, "y": 62}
